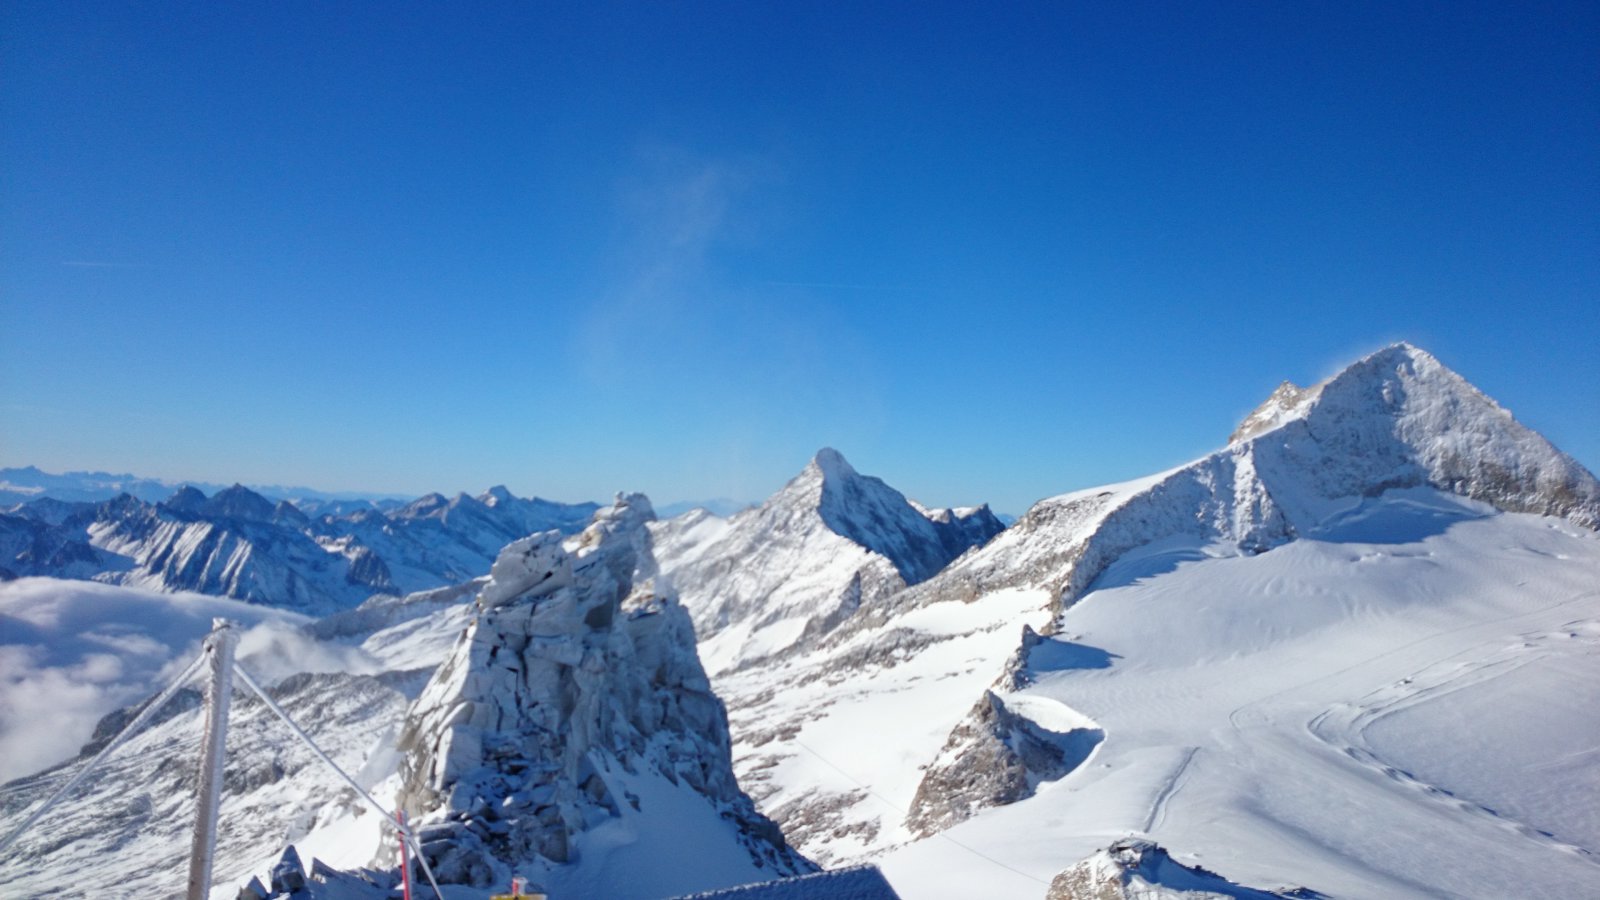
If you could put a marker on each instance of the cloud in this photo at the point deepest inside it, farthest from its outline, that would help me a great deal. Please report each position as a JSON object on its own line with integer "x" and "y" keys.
{"x": 274, "y": 650}
{"x": 72, "y": 651}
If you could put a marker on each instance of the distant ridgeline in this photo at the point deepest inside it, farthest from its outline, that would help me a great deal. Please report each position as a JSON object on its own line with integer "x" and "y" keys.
{"x": 313, "y": 555}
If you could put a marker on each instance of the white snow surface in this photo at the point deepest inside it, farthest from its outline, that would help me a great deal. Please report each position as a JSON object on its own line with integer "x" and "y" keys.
{"x": 1399, "y": 706}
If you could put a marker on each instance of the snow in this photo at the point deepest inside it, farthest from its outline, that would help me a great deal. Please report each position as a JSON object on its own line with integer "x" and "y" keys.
{"x": 863, "y": 729}
{"x": 1398, "y": 707}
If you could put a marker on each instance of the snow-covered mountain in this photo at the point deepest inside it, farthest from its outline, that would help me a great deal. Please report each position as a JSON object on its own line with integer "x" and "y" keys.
{"x": 790, "y": 570}
{"x": 234, "y": 544}
{"x": 918, "y": 713}
{"x": 572, "y": 735}
{"x": 1353, "y": 653}
{"x": 237, "y": 543}
{"x": 436, "y": 540}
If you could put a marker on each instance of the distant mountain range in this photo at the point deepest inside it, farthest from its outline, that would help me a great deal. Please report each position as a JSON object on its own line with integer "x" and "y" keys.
{"x": 20, "y": 485}
{"x": 237, "y": 543}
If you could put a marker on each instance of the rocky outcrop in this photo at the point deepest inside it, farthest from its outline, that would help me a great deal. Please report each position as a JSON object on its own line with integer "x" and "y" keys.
{"x": 577, "y": 676}
{"x": 992, "y": 758}
{"x": 1134, "y": 869}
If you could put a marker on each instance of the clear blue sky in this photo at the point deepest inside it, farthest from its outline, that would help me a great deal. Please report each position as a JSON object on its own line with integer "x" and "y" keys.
{"x": 989, "y": 251}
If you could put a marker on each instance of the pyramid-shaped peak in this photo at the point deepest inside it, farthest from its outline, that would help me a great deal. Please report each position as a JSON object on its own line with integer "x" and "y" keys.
{"x": 832, "y": 464}
{"x": 1395, "y": 356}
{"x": 188, "y": 499}
{"x": 1400, "y": 362}
{"x": 1400, "y": 418}
{"x": 239, "y": 502}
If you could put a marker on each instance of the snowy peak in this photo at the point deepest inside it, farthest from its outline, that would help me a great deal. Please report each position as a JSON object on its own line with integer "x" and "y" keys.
{"x": 239, "y": 502}
{"x": 829, "y": 543}
{"x": 1400, "y": 418}
{"x": 498, "y": 495}
{"x": 831, "y": 464}
{"x": 874, "y": 515}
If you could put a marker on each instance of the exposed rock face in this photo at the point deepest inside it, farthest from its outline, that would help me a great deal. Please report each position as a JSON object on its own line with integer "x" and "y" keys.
{"x": 994, "y": 757}
{"x": 1285, "y": 403}
{"x": 1134, "y": 869}
{"x": 575, "y": 672}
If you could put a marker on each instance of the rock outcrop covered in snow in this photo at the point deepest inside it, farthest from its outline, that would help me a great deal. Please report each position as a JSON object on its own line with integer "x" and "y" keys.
{"x": 577, "y": 679}
{"x": 1135, "y": 869}
{"x": 832, "y": 541}
{"x": 994, "y": 757}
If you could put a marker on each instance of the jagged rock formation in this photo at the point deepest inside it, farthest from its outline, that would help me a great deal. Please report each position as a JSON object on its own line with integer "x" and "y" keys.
{"x": 576, "y": 679}
{"x": 994, "y": 757}
{"x": 832, "y": 541}
{"x": 1133, "y": 869}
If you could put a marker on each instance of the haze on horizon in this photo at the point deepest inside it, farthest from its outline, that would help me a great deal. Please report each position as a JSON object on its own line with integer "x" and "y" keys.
{"x": 991, "y": 254}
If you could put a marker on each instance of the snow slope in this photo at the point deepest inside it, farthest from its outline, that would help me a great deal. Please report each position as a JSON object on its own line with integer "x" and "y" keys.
{"x": 884, "y": 733}
{"x": 1399, "y": 705}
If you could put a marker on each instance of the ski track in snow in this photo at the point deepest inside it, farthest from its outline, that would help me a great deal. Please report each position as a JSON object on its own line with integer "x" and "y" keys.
{"x": 1158, "y": 809}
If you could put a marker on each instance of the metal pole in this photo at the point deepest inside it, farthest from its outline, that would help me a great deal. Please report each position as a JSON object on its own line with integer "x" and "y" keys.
{"x": 405, "y": 864}
{"x": 219, "y": 648}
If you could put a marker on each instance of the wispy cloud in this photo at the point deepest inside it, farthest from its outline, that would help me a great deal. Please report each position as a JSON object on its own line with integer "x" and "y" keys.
{"x": 673, "y": 211}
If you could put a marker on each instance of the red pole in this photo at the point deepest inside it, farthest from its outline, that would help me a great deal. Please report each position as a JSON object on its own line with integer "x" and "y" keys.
{"x": 405, "y": 866}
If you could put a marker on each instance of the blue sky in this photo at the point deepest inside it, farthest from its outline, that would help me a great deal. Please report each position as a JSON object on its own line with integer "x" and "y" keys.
{"x": 989, "y": 251}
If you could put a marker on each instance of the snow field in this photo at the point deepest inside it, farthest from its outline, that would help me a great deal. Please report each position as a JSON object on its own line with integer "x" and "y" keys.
{"x": 1365, "y": 719}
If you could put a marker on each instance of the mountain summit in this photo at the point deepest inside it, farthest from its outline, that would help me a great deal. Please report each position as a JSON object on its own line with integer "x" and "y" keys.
{"x": 1400, "y": 418}
{"x": 796, "y": 566}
